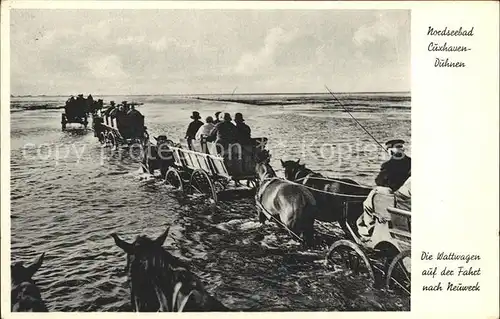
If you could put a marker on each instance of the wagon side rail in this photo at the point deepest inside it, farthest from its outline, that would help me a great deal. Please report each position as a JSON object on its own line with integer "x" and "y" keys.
{"x": 112, "y": 128}
{"x": 349, "y": 226}
{"x": 400, "y": 224}
{"x": 213, "y": 165}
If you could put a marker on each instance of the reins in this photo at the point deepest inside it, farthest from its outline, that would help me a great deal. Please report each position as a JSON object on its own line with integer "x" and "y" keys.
{"x": 317, "y": 176}
{"x": 333, "y": 180}
{"x": 325, "y": 192}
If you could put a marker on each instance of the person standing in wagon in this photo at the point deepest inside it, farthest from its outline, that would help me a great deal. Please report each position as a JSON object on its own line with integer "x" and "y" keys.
{"x": 193, "y": 127}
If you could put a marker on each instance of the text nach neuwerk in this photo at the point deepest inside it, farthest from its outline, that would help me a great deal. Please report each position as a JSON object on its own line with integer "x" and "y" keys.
{"x": 451, "y": 272}
{"x": 442, "y": 47}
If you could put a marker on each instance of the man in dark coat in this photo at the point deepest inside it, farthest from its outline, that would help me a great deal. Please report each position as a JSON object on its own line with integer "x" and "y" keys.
{"x": 217, "y": 120}
{"x": 397, "y": 169}
{"x": 224, "y": 132}
{"x": 135, "y": 121}
{"x": 243, "y": 130}
{"x": 193, "y": 127}
{"x": 393, "y": 175}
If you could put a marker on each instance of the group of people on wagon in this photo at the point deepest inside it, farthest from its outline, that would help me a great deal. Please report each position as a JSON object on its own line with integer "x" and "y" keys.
{"x": 129, "y": 121}
{"x": 223, "y": 132}
{"x": 392, "y": 182}
{"x": 80, "y": 106}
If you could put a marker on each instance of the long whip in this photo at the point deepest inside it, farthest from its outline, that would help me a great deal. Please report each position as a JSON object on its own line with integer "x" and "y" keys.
{"x": 355, "y": 119}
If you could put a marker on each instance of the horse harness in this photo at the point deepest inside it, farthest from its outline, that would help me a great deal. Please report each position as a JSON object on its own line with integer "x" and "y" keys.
{"x": 308, "y": 172}
{"x": 184, "y": 302}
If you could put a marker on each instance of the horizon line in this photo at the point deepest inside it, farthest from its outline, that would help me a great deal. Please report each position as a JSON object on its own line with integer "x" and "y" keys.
{"x": 206, "y": 94}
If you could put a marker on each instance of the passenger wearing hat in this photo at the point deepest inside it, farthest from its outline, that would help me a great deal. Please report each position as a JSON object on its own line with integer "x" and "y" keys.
{"x": 160, "y": 156}
{"x": 224, "y": 132}
{"x": 206, "y": 128}
{"x": 80, "y": 101}
{"x": 393, "y": 186}
{"x": 217, "y": 120}
{"x": 126, "y": 106}
{"x": 242, "y": 130}
{"x": 396, "y": 170}
{"x": 193, "y": 127}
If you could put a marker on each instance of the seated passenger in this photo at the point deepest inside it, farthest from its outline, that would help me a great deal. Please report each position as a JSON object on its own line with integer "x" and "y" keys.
{"x": 224, "y": 132}
{"x": 402, "y": 198}
{"x": 136, "y": 122}
{"x": 217, "y": 120}
{"x": 205, "y": 129}
{"x": 242, "y": 130}
{"x": 390, "y": 176}
{"x": 396, "y": 170}
{"x": 160, "y": 156}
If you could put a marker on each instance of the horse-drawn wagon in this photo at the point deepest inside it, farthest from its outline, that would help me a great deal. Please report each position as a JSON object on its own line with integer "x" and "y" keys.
{"x": 114, "y": 127}
{"x": 75, "y": 111}
{"x": 384, "y": 255}
{"x": 200, "y": 167}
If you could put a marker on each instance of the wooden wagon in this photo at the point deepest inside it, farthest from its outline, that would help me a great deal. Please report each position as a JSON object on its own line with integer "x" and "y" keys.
{"x": 386, "y": 255}
{"x": 114, "y": 134}
{"x": 200, "y": 168}
{"x": 74, "y": 115}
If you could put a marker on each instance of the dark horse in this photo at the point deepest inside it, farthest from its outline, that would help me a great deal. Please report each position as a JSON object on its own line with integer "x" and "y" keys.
{"x": 161, "y": 282}
{"x": 25, "y": 295}
{"x": 332, "y": 194}
{"x": 289, "y": 204}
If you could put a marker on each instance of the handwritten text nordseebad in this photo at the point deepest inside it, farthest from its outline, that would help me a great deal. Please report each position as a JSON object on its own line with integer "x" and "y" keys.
{"x": 445, "y": 47}
{"x": 451, "y": 33}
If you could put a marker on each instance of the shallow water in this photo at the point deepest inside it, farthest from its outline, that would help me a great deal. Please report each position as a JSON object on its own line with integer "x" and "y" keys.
{"x": 68, "y": 194}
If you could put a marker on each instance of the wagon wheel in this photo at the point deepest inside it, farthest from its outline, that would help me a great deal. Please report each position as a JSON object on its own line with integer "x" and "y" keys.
{"x": 353, "y": 257}
{"x": 63, "y": 121}
{"x": 173, "y": 178}
{"x": 201, "y": 183}
{"x": 399, "y": 273}
{"x": 112, "y": 141}
{"x": 252, "y": 183}
{"x": 147, "y": 166}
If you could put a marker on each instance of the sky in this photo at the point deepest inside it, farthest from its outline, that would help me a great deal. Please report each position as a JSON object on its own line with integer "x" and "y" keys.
{"x": 110, "y": 52}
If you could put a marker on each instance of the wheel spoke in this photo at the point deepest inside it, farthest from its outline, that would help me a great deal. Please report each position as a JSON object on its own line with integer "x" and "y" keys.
{"x": 403, "y": 269}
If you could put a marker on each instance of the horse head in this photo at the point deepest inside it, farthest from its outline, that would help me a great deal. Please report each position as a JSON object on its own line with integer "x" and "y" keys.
{"x": 158, "y": 280}
{"x": 262, "y": 166}
{"x": 292, "y": 168}
{"x": 25, "y": 295}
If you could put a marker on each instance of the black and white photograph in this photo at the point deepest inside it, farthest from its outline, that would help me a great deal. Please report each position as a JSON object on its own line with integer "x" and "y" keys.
{"x": 210, "y": 160}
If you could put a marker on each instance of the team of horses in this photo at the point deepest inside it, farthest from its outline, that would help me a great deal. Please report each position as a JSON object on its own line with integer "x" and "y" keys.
{"x": 305, "y": 196}
{"x": 161, "y": 282}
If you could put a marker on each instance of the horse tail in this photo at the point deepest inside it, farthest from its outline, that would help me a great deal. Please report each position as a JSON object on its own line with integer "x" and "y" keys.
{"x": 309, "y": 215}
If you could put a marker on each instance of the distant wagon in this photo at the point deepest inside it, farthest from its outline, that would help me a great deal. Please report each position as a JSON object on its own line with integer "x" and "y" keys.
{"x": 198, "y": 167}
{"x": 120, "y": 125}
{"x": 75, "y": 111}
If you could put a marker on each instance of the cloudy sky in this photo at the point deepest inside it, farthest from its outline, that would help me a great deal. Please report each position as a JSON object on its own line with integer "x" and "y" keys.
{"x": 208, "y": 51}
